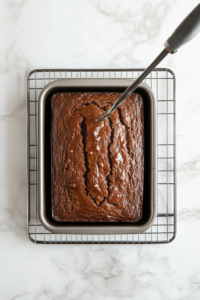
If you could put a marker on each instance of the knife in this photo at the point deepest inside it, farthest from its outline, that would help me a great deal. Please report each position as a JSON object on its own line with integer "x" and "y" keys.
{"x": 186, "y": 31}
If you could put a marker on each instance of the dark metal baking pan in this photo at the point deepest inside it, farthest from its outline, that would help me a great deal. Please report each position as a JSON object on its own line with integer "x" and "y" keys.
{"x": 150, "y": 165}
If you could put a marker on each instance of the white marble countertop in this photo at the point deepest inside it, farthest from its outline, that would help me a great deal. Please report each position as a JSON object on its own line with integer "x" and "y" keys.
{"x": 95, "y": 34}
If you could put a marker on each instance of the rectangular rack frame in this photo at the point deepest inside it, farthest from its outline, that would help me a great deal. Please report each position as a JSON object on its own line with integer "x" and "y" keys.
{"x": 162, "y": 82}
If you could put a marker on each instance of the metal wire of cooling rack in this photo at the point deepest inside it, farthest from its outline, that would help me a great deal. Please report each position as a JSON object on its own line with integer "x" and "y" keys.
{"x": 162, "y": 82}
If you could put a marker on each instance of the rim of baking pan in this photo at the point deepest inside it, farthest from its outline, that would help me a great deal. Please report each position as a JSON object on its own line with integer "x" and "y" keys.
{"x": 94, "y": 229}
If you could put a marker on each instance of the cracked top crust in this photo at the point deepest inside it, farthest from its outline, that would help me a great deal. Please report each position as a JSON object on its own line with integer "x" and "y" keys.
{"x": 97, "y": 169}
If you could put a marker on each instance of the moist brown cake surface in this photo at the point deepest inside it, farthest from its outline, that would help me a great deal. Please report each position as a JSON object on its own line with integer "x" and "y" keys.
{"x": 97, "y": 169}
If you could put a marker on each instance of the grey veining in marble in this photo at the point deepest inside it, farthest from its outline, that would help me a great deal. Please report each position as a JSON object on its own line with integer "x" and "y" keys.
{"x": 91, "y": 34}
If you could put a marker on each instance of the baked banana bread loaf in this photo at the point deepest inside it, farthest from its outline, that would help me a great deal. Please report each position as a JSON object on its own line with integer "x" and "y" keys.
{"x": 97, "y": 169}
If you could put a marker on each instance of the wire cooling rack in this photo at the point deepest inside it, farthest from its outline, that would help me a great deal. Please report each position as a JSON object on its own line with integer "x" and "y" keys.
{"x": 162, "y": 81}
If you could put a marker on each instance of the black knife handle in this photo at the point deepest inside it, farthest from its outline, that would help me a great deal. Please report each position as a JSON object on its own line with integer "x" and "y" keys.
{"x": 188, "y": 28}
